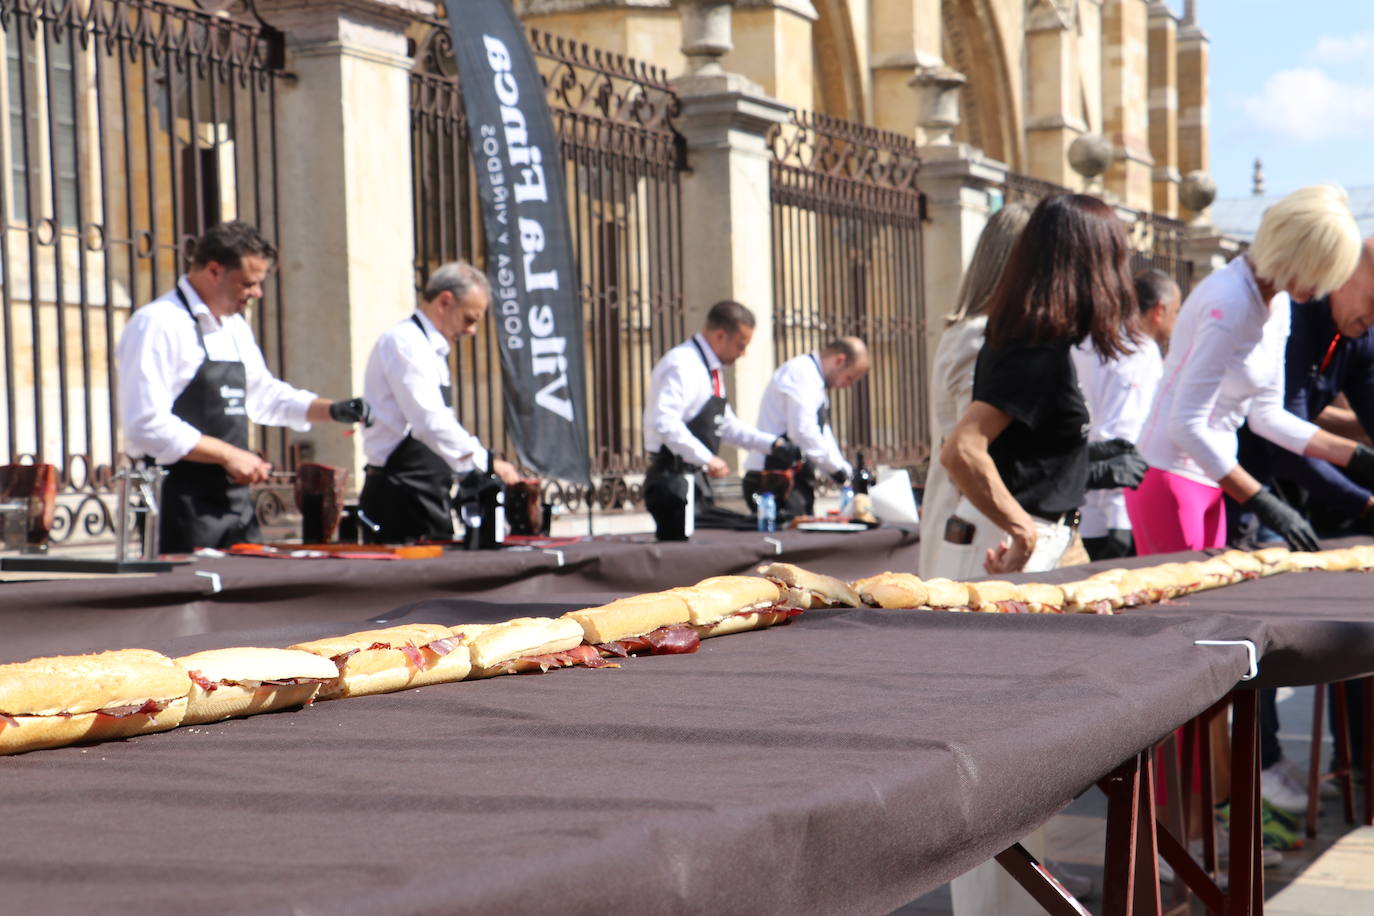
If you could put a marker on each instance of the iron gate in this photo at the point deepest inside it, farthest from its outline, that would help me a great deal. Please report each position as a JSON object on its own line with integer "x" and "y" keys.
{"x": 847, "y": 261}
{"x": 622, "y": 162}
{"x": 130, "y": 126}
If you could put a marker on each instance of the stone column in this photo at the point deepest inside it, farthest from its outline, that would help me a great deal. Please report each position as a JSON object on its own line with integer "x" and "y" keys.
{"x": 347, "y": 242}
{"x": 1164, "y": 107}
{"x": 1125, "y": 90}
{"x": 906, "y": 42}
{"x": 772, "y": 41}
{"x": 726, "y": 214}
{"x": 1192, "y": 98}
{"x": 1052, "y": 108}
{"x": 958, "y": 182}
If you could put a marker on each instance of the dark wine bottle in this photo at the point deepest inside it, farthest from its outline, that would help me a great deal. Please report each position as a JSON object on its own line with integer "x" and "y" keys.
{"x": 863, "y": 477}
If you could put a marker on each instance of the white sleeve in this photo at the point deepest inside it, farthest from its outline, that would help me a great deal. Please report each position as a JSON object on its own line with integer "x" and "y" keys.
{"x": 668, "y": 410}
{"x": 1121, "y": 400}
{"x": 1268, "y": 417}
{"x": 817, "y": 445}
{"x": 269, "y": 400}
{"x": 416, "y": 388}
{"x": 1196, "y": 388}
{"x": 736, "y": 432}
{"x": 147, "y": 356}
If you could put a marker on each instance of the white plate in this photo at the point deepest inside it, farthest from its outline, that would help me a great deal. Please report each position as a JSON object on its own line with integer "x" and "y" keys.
{"x": 832, "y": 526}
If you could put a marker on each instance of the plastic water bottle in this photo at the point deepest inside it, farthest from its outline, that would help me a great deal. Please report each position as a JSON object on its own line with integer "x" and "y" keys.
{"x": 768, "y": 512}
{"x": 846, "y": 498}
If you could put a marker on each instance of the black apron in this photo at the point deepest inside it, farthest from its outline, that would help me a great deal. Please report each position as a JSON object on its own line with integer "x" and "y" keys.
{"x": 201, "y": 506}
{"x": 409, "y": 497}
{"x": 665, "y": 483}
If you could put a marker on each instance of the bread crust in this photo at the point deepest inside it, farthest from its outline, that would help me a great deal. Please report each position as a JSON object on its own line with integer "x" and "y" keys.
{"x": 371, "y": 671}
{"x": 1080, "y": 596}
{"x": 627, "y": 617}
{"x": 87, "y": 683}
{"x": 523, "y": 636}
{"x": 253, "y": 664}
{"x": 714, "y": 599}
{"x": 984, "y": 596}
{"x": 229, "y": 701}
{"x": 891, "y": 590}
{"x": 946, "y": 593}
{"x": 739, "y": 623}
{"x": 812, "y": 589}
{"x": 38, "y": 732}
{"x": 1043, "y": 599}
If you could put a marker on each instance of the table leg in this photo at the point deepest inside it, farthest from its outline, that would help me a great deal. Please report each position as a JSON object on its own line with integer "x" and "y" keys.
{"x": 1315, "y": 774}
{"x": 1368, "y": 747}
{"x": 1244, "y": 870}
{"x": 1148, "y": 899}
{"x": 1038, "y": 882}
{"x": 1342, "y": 770}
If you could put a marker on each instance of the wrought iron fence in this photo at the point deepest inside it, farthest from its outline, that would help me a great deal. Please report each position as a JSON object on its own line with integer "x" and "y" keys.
{"x": 130, "y": 126}
{"x": 622, "y": 162}
{"x": 847, "y": 219}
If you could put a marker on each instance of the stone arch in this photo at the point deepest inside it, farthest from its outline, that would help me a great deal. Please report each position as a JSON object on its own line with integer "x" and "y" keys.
{"x": 991, "y": 110}
{"x": 838, "y": 80}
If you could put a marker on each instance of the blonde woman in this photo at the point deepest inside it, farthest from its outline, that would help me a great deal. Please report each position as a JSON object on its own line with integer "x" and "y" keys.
{"x": 951, "y": 375}
{"x": 1227, "y": 368}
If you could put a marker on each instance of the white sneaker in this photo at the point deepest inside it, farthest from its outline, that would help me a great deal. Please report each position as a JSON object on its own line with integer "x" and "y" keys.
{"x": 1297, "y": 773}
{"x": 1282, "y": 792}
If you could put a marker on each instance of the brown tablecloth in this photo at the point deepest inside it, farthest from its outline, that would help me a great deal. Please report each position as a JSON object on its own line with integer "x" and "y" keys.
{"x": 844, "y": 763}
{"x": 65, "y": 616}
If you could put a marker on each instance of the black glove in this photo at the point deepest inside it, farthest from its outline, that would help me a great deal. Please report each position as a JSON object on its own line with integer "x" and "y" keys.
{"x": 353, "y": 410}
{"x": 784, "y": 454}
{"x": 1276, "y": 514}
{"x": 840, "y": 478}
{"x": 1124, "y": 470}
{"x": 1101, "y": 451}
{"x": 1361, "y": 466}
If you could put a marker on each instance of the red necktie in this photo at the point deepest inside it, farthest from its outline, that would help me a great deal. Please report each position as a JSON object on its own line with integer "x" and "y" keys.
{"x": 1330, "y": 352}
{"x": 715, "y": 383}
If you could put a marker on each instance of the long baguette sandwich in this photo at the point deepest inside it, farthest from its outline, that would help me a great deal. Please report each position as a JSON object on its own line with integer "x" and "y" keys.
{"x": 528, "y": 644}
{"x": 380, "y": 661}
{"x": 246, "y": 681}
{"x": 66, "y": 699}
{"x": 1244, "y": 563}
{"x": 722, "y": 605}
{"x": 892, "y": 590}
{"x": 805, "y": 589}
{"x": 1274, "y": 560}
{"x": 1043, "y": 599}
{"x": 653, "y": 624}
{"x": 1302, "y": 561}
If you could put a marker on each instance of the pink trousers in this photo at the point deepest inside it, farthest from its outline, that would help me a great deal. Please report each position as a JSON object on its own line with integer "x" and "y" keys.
{"x": 1170, "y": 513}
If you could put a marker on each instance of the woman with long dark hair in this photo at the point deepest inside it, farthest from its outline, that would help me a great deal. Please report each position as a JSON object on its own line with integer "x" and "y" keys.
{"x": 1019, "y": 454}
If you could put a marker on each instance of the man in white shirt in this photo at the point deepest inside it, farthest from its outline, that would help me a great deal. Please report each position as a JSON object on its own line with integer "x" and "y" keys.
{"x": 416, "y": 446}
{"x": 191, "y": 376}
{"x": 1119, "y": 394}
{"x": 796, "y": 404}
{"x": 687, "y": 419}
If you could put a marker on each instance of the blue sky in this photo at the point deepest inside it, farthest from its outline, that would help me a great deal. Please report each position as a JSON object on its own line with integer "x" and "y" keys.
{"x": 1292, "y": 82}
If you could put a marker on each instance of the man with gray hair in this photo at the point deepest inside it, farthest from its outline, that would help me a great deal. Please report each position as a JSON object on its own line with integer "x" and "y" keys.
{"x": 416, "y": 445}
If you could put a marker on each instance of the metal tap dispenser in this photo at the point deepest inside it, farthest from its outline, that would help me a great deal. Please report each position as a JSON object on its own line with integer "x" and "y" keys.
{"x": 140, "y": 493}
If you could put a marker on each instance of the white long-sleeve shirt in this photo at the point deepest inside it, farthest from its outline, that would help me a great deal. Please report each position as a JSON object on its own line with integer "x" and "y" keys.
{"x": 1119, "y": 393}
{"x": 1225, "y": 366}
{"x": 791, "y": 404}
{"x": 951, "y": 392}
{"x": 404, "y": 372}
{"x": 679, "y": 388}
{"x": 159, "y": 354}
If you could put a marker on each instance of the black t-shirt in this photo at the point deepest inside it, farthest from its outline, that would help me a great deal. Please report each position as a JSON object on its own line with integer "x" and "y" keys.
{"x": 1043, "y": 454}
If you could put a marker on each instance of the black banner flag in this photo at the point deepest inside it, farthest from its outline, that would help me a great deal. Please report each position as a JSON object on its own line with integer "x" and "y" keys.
{"x": 534, "y": 281}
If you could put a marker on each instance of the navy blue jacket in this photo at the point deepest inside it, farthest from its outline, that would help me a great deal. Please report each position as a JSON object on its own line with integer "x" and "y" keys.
{"x": 1309, "y": 390}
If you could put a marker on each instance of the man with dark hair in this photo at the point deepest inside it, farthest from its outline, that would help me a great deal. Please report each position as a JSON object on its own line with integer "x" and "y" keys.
{"x": 796, "y": 405}
{"x": 686, "y": 420}
{"x": 417, "y": 445}
{"x": 191, "y": 376}
{"x": 1119, "y": 393}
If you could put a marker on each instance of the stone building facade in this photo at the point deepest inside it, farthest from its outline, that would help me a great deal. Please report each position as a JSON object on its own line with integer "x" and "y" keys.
{"x": 129, "y": 125}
